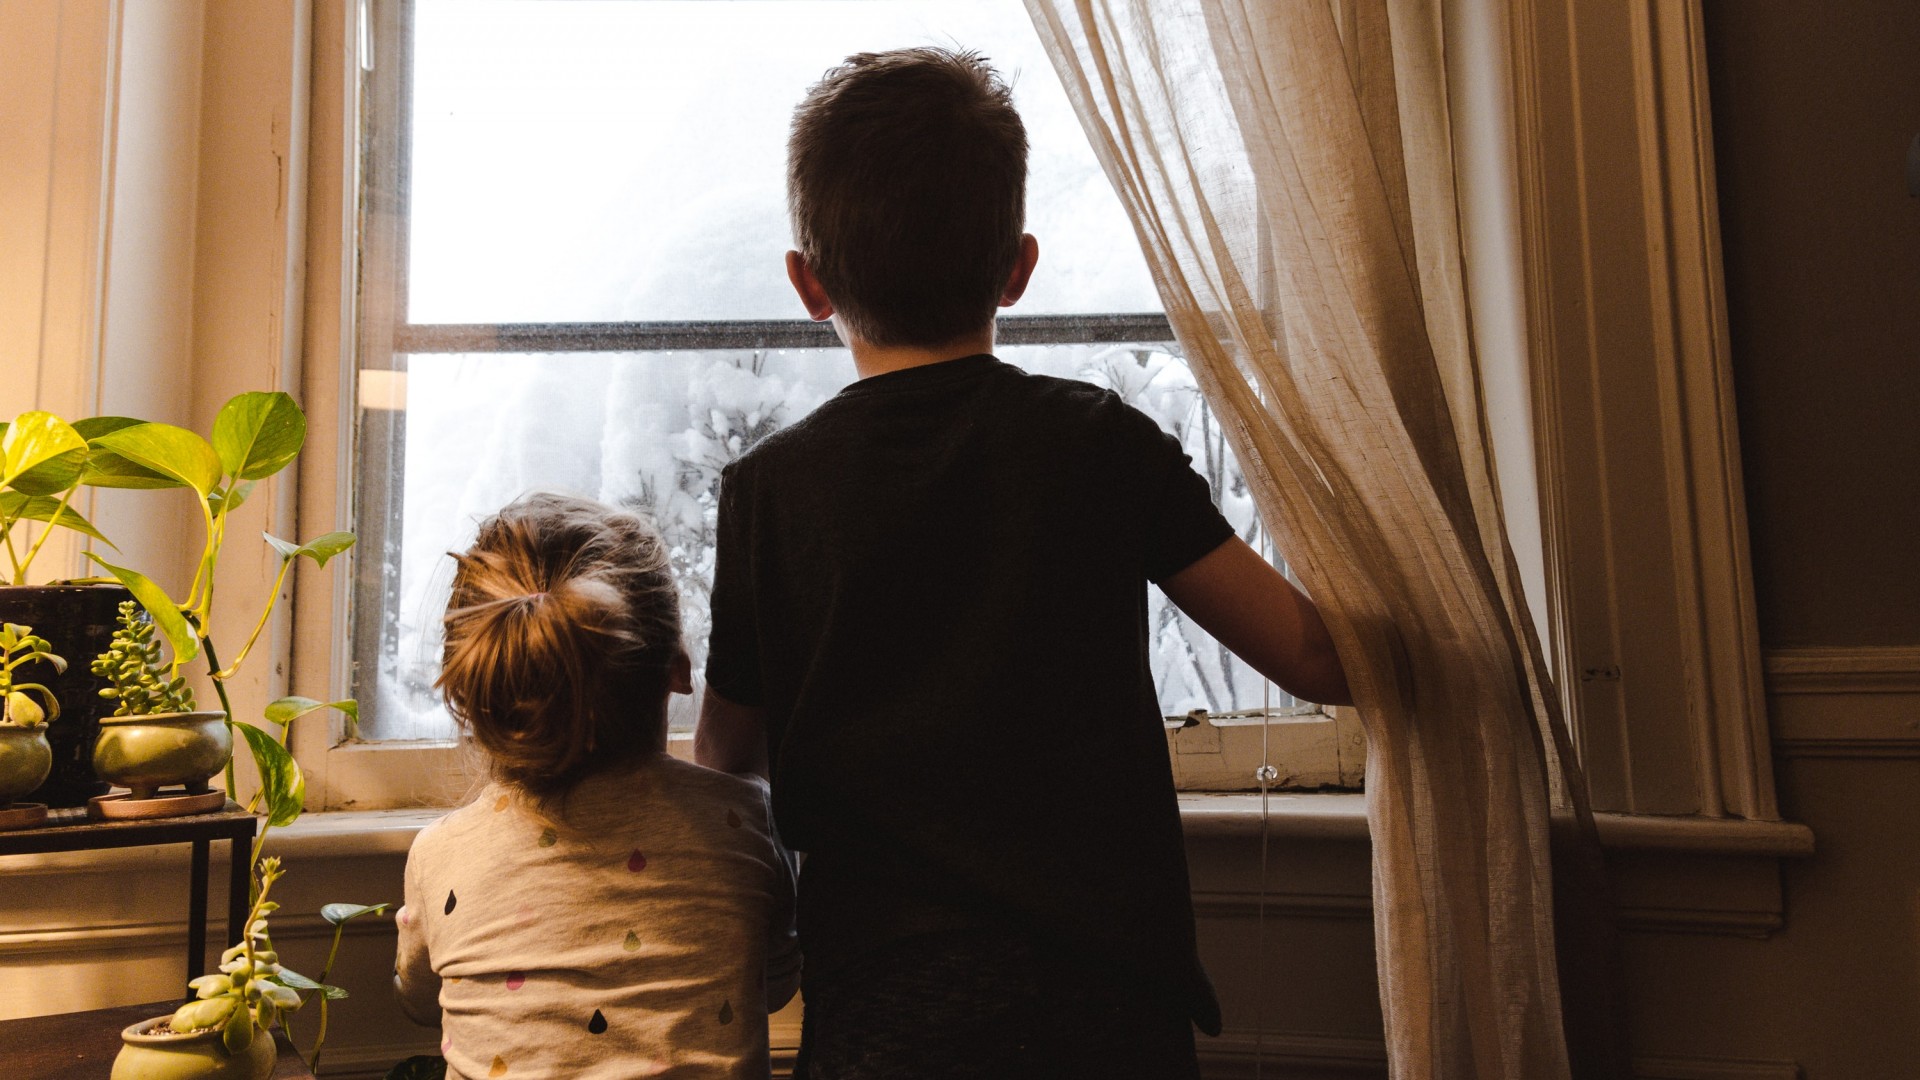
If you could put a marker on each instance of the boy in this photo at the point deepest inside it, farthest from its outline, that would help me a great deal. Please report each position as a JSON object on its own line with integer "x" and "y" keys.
{"x": 929, "y": 627}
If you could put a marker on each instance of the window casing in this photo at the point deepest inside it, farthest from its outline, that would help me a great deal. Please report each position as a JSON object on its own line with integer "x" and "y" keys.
{"x": 1616, "y": 291}
{"x": 395, "y": 605}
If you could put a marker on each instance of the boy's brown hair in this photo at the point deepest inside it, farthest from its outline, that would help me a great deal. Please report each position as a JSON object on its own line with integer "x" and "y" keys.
{"x": 560, "y": 634}
{"x": 906, "y": 183}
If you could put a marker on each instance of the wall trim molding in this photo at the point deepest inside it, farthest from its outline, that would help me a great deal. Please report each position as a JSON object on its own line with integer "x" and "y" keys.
{"x": 168, "y": 936}
{"x": 1708, "y": 1068}
{"x": 1845, "y": 702}
{"x": 1862, "y": 669}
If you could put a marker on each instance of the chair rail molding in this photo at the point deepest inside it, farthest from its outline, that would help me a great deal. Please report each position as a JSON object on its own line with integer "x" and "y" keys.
{"x": 1859, "y": 702}
{"x": 1651, "y": 606}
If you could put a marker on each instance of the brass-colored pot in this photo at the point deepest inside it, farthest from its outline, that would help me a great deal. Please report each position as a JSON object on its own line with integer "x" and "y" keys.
{"x": 25, "y": 759}
{"x": 146, "y": 753}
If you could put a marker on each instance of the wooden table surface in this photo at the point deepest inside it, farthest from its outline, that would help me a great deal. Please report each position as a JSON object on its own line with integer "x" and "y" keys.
{"x": 81, "y": 1046}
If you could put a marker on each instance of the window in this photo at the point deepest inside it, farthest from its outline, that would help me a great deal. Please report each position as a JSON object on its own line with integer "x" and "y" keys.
{"x": 573, "y": 238}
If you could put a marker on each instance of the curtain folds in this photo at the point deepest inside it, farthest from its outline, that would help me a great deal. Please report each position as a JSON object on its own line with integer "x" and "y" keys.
{"x": 1287, "y": 165}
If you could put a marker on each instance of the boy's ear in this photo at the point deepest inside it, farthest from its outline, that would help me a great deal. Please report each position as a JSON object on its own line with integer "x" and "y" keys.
{"x": 819, "y": 307}
{"x": 680, "y": 672}
{"x": 1022, "y": 270}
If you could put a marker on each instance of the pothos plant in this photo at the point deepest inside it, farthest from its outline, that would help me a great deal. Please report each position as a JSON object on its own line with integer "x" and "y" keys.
{"x": 44, "y": 461}
{"x": 254, "y": 437}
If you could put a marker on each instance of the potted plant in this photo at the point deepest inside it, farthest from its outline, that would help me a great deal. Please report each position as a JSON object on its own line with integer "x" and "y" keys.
{"x": 155, "y": 737}
{"x": 225, "y": 1032}
{"x": 254, "y": 436}
{"x": 44, "y": 461}
{"x": 25, "y": 756}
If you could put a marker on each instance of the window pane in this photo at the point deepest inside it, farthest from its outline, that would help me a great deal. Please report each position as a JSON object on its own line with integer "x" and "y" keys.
{"x": 624, "y": 161}
{"x": 653, "y": 430}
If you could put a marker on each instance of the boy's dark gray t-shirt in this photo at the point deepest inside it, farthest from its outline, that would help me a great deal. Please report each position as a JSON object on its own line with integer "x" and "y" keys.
{"x": 935, "y": 584}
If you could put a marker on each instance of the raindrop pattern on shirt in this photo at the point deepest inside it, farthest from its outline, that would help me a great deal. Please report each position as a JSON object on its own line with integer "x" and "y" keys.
{"x": 598, "y": 1024}
{"x": 451, "y": 900}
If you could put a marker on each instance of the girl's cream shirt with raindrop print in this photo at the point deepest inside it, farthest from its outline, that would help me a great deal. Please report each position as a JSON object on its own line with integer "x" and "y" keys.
{"x": 648, "y": 933}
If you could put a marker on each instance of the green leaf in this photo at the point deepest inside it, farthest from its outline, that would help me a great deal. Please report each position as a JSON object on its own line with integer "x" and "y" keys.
{"x": 258, "y": 434}
{"x": 205, "y": 1013}
{"x": 92, "y": 427}
{"x": 166, "y": 613}
{"x": 14, "y": 506}
{"x": 282, "y": 785}
{"x": 53, "y": 476}
{"x": 319, "y": 549}
{"x": 171, "y": 451}
{"x": 33, "y": 439}
{"x": 230, "y": 497}
{"x": 237, "y": 1035}
{"x": 343, "y": 913}
{"x": 288, "y": 709}
{"x": 107, "y": 469}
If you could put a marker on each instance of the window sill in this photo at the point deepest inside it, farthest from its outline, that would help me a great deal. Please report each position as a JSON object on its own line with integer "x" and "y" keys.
{"x": 1319, "y": 816}
{"x": 1343, "y": 816}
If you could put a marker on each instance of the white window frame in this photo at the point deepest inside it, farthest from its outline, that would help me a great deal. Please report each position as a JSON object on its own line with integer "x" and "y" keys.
{"x": 1660, "y": 649}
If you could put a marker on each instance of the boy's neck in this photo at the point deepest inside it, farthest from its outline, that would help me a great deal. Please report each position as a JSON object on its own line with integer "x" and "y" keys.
{"x": 870, "y": 360}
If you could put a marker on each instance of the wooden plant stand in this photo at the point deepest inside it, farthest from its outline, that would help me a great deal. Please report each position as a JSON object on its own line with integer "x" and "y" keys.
{"x": 72, "y": 830}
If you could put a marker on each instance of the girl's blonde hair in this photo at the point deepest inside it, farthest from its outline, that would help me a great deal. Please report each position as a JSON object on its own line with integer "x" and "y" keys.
{"x": 560, "y": 634}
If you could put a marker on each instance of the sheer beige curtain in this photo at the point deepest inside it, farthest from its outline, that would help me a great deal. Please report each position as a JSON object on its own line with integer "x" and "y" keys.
{"x": 1288, "y": 168}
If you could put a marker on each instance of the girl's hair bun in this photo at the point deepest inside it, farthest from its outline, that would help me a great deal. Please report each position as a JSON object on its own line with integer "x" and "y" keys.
{"x": 562, "y": 626}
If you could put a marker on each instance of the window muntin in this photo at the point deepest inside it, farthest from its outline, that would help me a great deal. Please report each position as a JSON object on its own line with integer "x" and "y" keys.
{"x": 508, "y": 344}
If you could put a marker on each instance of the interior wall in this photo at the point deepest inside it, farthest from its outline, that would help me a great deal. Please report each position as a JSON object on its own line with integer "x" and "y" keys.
{"x": 1814, "y": 107}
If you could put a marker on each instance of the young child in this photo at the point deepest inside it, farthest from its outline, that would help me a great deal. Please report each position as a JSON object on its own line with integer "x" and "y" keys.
{"x": 929, "y": 624}
{"x": 601, "y": 909}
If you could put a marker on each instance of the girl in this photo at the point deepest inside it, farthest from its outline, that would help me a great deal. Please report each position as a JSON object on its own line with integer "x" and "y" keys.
{"x": 601, "y": 909}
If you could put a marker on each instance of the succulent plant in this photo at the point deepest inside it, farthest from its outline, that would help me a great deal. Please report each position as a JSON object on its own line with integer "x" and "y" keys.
{"x": 249, "y": 992}
{"x": 19, "y": 646}
{"x": 143, "y": 684}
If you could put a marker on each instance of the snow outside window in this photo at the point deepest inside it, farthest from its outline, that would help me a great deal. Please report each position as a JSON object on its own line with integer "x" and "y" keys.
{"x": 584, "y": 221}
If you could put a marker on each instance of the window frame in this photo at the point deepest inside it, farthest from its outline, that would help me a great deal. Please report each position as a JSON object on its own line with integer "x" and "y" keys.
{"x": 1575, "y": 92}
{"x": 1208, "y": 752}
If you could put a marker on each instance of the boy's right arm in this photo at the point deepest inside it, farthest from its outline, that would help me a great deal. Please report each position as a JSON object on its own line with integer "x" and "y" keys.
{"x": 1252, "y": 609}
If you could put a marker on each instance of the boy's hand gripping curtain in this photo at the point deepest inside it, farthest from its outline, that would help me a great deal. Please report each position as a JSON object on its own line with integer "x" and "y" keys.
{"x": 1287, "y": 166}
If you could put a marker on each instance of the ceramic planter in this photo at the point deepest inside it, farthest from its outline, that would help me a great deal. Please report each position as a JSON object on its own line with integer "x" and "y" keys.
{"x": 25, "y": 760}
{"x": 196, "y": 1055}
{"x": 78, "y": 621}
{"x": 146, "y": 753}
